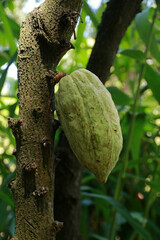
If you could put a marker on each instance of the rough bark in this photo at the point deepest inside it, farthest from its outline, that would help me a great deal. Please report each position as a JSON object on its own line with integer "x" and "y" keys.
{"x": 44, "y": 39}
{"x": 115, "y": 21}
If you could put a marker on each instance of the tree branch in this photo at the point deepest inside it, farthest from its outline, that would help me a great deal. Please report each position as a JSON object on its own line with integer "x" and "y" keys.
{"x": 44, "y": 39}
{"x": 115, "y": 21}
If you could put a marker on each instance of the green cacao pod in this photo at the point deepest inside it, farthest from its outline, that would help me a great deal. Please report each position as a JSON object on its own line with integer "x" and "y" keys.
{"x": 90, "y": 122}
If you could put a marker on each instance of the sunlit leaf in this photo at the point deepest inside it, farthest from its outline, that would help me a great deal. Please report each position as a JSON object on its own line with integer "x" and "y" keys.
{"x": 8, "y": 30}
{"x": 143, "y": 26}
{"x": 80, "y": 31}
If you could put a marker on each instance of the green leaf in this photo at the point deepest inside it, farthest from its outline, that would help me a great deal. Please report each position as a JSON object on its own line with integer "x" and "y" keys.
{"x": 153, "y": 80}
{"x": 4, "y": 74}
{"x": 14, "y": 26}
{"x": 5, "y": 197}
{"x": 12, "y": 109}
{"x": 89, "y": 12}
{"x": 7, "y": 29}
{"x": 158, "y": 4}
{"x": 138, "y": 216}
{"x": 95, "y": 236}
{"x": 80, "y": 31}
{"x": 87, "y": 179}
{"x": 3, "y": 38}
{"x": 57, "y": 135}
{"x": 119, "y": 97}
{"x": 4, "y": 57}
{"x": 11, "y": 5}
{"x": 137, "y": 136}
{"x": 124, "y": 213}
{"x": 143, "y": 26}
{"x": 154, "y": 227}
{"x": 136, "y": 54}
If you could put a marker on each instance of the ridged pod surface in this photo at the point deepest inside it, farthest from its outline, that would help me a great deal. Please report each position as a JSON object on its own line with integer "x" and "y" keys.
{"x": 90, "y": 122}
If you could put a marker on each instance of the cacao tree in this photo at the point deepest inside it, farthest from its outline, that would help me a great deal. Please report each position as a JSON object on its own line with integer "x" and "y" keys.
{"x": 48, "y": 177}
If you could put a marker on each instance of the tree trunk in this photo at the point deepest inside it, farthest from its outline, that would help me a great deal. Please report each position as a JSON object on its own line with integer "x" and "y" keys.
{"x": 44, "y": 39}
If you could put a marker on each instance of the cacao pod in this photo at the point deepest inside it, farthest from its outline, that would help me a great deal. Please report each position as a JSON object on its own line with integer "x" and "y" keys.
{"x": 90, "y": 122}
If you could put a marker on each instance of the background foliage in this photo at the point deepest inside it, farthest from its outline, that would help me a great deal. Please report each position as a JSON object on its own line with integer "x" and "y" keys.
{"x": 134, "y": 81}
